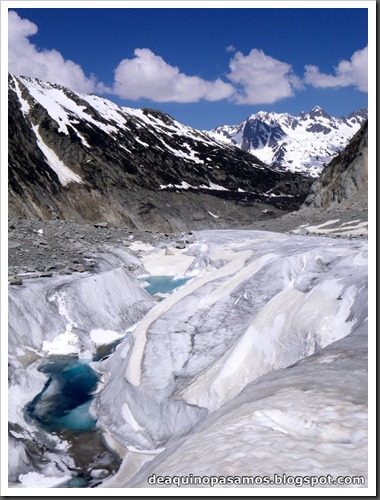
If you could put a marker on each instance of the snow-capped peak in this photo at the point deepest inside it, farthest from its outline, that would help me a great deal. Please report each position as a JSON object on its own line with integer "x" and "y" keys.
{"x": 303, "y": 143}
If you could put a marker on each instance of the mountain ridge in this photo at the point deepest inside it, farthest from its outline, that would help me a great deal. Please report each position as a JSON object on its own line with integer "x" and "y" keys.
{"x": 302, "y": 143}
{"x": 82, "y": 157}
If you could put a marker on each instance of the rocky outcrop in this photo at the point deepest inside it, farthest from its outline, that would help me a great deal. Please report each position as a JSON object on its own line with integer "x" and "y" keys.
{"x": 83, "y": 158}
{"x": 345, "y": 178}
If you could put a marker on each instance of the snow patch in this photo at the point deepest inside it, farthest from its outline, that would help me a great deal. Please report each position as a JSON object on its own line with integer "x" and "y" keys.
{"x": 65, "y": 174}
{"x": 346, "y": 229}
{"x": 37, "y": 480}
{"x": 139, "y": 246}
{"x": 103, "y": 337}
{"x": 25, "y": 107}
{"x": 160, "y": 264}
{"x": 64, "y": 343}
{"x": 213, "y": 215}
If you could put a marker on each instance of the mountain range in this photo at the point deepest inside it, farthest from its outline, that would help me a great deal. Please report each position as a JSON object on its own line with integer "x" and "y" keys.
{"x": 82, "y": 157}
{"x": 303, "y": 143}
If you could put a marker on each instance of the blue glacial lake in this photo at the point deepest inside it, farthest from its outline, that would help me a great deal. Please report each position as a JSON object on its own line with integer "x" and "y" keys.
{"x": 64, "y": 402}
{"x": 163, "y": 284}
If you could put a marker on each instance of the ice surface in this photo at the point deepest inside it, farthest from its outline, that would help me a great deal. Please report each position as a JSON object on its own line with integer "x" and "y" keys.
{"x": 63, "y": 315}
{"x": 42, "y": 310}
{"x": 36, "y": 480}
{"x": 159, "y": 263}
{"x": 101, "y": 337}
{"x": 259, "y": 303}
{"x": 214, "y": 370}
{"x": 309, "y": 419}
{"x": 64, "y": 343}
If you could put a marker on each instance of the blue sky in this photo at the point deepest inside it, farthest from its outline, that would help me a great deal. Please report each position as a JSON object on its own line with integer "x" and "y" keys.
{"x": 204, "y": 66}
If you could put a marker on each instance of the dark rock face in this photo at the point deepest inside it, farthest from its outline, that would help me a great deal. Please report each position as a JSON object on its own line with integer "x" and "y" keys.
{"x": 83, "y": 158}
{"x": 345, "y": 177}
{"x": 257, "y": 133}
{"x": 359, "y": 115}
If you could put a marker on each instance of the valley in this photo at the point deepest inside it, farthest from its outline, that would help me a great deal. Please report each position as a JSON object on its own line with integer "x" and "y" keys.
{"x": 174, "y": 298}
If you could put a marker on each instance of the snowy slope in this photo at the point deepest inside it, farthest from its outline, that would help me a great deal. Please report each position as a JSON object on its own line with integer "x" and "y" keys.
{"x": 303, "y": 143}
{"x": 67, "y": 108}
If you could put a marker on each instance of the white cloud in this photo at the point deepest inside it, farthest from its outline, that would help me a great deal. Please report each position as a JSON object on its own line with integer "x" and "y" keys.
{"x": 261, "y": 78}
{"x": 149, "y": 76}
{"x": 348, "y": 73}
{"x": 253, "y": 79}
{"x": 24, "y": 58}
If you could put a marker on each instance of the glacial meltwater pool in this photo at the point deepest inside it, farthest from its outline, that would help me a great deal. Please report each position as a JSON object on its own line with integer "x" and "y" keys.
{"x": 64, "y": 402}
{"x": 163, "y": 284}
{"x": 62, "y": 408}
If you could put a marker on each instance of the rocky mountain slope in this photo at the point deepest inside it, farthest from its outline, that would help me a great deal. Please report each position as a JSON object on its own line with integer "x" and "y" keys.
{"x": 81, "y": 157}
{"x": 303, "y": 143}
{"x": 345, "y": 177}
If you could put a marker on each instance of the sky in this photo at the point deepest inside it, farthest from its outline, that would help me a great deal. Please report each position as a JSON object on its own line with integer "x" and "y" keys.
{"x": 204, "y": 66}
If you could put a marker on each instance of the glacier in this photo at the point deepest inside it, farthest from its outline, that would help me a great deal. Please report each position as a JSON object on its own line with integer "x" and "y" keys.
{"x": 256, "y": 365}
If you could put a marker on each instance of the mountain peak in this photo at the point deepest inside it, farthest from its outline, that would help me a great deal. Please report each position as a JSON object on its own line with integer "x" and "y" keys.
{"x": 358, "y": 113}
{"x": 306, "y": 142}
{"x": 263, "y": 115}
{"x": 317, "y": 111}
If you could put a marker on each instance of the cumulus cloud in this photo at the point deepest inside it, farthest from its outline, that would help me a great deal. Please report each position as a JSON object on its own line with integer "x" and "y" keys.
{"x": 261, "y": 79}
{"x": 255, "y": 78}
{"x": 348, "y": 73}
{"x": 147, "y": 75}
{"x": 24, "y": 58}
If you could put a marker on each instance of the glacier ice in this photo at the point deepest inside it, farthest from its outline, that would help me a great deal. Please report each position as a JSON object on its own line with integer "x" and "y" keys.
{"x": 307, "y": 419}
{"x": 258, "y": 358}
{"x": 259, "y": 303}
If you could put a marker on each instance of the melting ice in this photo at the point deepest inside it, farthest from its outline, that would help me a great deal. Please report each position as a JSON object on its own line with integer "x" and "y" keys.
{"x": 259, "y": 361}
